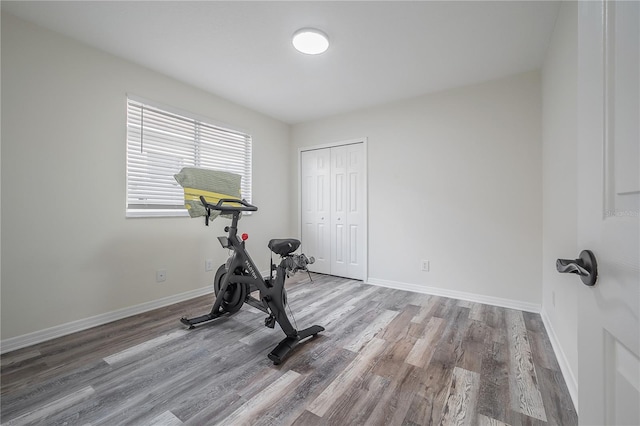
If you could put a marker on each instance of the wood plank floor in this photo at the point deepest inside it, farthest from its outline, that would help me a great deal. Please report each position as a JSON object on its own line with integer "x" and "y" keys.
{"x": 387, "y": 357}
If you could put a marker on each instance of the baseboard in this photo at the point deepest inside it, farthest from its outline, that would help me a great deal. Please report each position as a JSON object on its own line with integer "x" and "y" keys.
{"x": 18, "y": 342}
{"x": 454, "y": 294}
{"x": 569, "y": 378}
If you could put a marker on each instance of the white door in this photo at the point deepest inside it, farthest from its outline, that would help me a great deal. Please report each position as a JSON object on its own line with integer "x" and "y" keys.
{"x": 333, "y": 209}
{"x": 608, "y": 212}
{"x": 347, "y": 211}
{"x": 355, "y": 210}
{"x": 315, "y": 205}
{"x": 339, "y": 232}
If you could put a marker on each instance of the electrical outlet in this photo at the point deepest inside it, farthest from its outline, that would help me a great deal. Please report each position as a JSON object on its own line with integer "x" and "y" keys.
{"x": 161, "y": 275}
{"x": 425, "y": 266}
{"x": 208, "y": 265}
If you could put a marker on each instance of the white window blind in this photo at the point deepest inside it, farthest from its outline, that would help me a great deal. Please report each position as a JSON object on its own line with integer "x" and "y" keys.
{"x": 160, "y": 143}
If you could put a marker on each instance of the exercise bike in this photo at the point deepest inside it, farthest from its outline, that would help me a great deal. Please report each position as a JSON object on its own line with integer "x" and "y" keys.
{"x": 239, "y": 277}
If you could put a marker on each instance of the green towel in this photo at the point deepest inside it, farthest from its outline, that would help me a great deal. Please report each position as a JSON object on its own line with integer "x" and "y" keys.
{"x": 212, "y": 184}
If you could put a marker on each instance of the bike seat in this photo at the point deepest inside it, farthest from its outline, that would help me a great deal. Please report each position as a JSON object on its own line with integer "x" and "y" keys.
{"x": 285, "y": 246}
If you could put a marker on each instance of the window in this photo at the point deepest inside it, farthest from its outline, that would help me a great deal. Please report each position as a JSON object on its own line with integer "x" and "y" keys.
{"x": 160, "y": 143}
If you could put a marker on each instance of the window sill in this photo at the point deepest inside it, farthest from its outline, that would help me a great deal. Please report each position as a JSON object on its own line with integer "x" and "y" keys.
{"x": 140, "y": 213}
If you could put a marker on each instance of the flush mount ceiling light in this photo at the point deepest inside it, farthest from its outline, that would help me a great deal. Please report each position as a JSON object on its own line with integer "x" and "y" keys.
{"x": 310, "y": 41}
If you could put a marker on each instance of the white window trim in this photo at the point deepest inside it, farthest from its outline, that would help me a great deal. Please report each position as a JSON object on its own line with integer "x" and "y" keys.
{"x": 157, "y": 213}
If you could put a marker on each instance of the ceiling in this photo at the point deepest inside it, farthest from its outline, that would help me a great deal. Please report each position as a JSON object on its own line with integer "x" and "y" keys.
{"x": 381, "y": 51}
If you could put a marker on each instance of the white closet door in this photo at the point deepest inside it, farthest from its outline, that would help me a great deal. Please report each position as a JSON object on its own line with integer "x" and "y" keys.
{"x": 315, "y": 204}
{"x": 333, "y": 209}
{"x": 355, "y": 211}
{"x": 339, "y": 227}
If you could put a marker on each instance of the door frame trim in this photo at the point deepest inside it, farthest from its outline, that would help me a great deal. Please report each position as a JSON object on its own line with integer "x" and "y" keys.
{"x": 365, "y": 218}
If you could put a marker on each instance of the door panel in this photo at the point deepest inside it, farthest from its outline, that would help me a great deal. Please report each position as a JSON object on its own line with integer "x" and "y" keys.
{"x": 338, "y": 211}
{"x": 315, "y": 168}
{"x": 355, "y": 210}
{"x": 609, "y": 211}
{"x": 353, "y": 245}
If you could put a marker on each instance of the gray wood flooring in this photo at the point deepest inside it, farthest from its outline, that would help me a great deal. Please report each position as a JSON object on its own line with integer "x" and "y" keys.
{"x": 387, "y": 357}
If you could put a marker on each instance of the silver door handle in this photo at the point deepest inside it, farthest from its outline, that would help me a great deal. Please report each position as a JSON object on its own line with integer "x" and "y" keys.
{"x": 585, "y": 266}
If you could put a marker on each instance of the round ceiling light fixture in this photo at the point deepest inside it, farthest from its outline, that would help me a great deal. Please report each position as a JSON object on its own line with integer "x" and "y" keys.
{"x": 310, "y": 41}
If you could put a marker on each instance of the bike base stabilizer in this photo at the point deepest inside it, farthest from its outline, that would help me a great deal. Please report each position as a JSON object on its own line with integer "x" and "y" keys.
{"x": 289, "y": 343}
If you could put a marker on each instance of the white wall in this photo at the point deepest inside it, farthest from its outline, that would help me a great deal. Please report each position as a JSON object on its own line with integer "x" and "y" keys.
{"x": 559, "y": 136}
{"x": 454, "y": 178}
{"x": 68, "y": 251}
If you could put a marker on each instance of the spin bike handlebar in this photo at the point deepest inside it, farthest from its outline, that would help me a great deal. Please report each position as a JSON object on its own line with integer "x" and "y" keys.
{"x": 220, "y": 206}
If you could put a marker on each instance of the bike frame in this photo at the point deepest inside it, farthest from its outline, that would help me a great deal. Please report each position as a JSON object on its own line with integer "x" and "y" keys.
{"x": 271, "y": 291}
{"x": 240, "y": 270}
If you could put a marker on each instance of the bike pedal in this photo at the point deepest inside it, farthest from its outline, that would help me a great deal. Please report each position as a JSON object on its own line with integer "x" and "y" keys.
{"x": 270, "y": 321}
